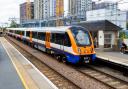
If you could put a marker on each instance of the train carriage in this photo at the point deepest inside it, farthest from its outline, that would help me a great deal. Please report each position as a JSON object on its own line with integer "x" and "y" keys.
{"x": 69, "y": 43}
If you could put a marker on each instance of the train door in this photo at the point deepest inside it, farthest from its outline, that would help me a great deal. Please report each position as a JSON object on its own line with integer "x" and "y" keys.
{"x": 30, "y": 37}
{"x": 47, "y": 40}
{"x": 21, "y": 35}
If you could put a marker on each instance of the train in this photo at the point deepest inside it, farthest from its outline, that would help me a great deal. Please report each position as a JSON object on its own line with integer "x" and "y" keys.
{"x": 72, "y": 44}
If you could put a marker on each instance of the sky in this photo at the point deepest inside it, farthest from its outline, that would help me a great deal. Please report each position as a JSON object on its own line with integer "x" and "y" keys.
{"x": 10, "y": 8}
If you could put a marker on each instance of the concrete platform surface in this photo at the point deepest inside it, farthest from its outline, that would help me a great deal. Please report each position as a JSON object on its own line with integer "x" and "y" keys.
{"x": 9, "y": 79}
{"x": 115, "y": 57}
{"x": 30, "y": 76}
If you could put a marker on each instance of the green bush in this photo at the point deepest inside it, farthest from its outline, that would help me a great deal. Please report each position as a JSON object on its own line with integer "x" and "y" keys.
{"x": 123, "y": 35}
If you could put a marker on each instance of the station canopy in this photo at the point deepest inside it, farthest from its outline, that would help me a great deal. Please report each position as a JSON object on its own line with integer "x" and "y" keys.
{"x": 99, "y": 25}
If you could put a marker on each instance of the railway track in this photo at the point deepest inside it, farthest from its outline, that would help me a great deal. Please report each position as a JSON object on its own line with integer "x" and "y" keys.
{"x": 106, "y": 78}
{"x": 100, "y": 76}
{"x": 60, "y": 81}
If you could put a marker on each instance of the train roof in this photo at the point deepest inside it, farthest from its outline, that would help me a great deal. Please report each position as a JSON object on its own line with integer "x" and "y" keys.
{"x": 44, "y": 29}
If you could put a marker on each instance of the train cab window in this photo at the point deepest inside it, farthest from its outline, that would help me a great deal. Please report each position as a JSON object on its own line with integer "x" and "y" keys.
{"x": 34, "y": 34}
{"x": 41, "y": 36}
{"x": 81, "y": 36}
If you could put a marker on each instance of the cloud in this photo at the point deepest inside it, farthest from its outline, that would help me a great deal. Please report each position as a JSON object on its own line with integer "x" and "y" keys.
{"x": 9, "y": 8}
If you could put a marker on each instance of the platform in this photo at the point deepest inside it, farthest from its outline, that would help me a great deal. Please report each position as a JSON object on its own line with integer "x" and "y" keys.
{"x": 9, "y": 79}
{"x": 114, "y": 57}
{"x": 16, "y": 72}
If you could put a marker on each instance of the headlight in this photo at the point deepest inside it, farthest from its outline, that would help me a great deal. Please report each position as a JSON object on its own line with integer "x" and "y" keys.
{"x": 85, "y": 51}
{"x": 92, "y": 50}
{"x": 79, "y": 50}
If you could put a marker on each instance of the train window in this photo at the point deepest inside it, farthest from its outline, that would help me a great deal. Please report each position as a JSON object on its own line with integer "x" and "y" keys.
{"x": 34, "y": 34}
{"x": 22, "y": 32}
{"x": 41, "y": 35}
{"x": 60, "y": 38}
{"x": 14, "y": 31}
{"x": 11, "y": 31}
{"x": 67, "y": 41}
{"x": 81, "y": 36}
{"x": 28, "y": 33}
{"x": 17, "y": 32}
{"x": 53, "y": 37}
{"x": 57, "y": 38}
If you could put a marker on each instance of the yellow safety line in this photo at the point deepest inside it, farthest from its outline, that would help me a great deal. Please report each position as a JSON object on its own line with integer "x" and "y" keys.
{"x": 20, "y": 75}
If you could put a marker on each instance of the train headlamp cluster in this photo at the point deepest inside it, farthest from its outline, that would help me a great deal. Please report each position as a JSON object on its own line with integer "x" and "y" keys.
{"x": 92, "y": 50}
{"x": 85, "y": 50}
{"x": 79, "y": 50}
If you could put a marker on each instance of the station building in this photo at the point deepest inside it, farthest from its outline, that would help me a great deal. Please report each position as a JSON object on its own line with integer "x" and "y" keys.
{"x": 105, "y": 21}
{"x": 104, "y": 33}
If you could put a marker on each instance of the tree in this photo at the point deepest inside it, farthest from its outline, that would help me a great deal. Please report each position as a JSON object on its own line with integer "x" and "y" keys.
{"x": 123, "y": 35}
{"x": 13, "y": 24}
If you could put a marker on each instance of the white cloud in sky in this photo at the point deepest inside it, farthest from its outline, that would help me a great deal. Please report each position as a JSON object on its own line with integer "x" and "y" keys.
{"x": 10, "y": 8}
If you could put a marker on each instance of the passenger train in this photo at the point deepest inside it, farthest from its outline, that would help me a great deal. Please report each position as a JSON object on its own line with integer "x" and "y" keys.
{"x": 72, "y": 44}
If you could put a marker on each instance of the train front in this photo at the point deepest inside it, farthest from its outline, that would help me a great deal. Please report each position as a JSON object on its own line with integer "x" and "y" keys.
{"x": 82, "y": 45}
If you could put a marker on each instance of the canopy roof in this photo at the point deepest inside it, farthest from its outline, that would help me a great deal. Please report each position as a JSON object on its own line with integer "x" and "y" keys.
{"x": 99, "y": 25}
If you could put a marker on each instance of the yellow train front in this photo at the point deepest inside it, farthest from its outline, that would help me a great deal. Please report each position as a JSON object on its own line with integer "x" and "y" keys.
{"x": 72, "y": 44}
{"x": 81, "y": 47}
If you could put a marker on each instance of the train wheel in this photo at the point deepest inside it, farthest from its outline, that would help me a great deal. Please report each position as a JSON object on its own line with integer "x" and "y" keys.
{"x": 92, "y": 62}
{"x": 58, "y": 57}
{"x": 64, "y": 60}
{"x": 52, "y": 53}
